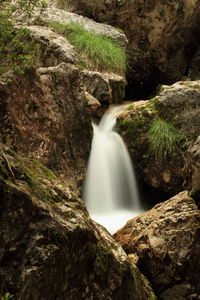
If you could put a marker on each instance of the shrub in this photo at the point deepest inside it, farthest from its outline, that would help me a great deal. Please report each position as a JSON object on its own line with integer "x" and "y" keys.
{"x": 162, "y": 137}
{"x": 18, "y": 51}
{"x": 100, "y": 52}
{"x": 17, "y": 48}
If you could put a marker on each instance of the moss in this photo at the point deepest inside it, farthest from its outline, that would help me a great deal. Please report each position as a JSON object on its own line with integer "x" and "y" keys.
{"x": 153, "y": 103}
{"x": 46, "y": 171}
{"x": 152, "y": 297}
{"x": 30, "y": 177}
{"x": 100, "y": 263}
{"x": 47, "y": 197}
{"x": 130, "y": 107}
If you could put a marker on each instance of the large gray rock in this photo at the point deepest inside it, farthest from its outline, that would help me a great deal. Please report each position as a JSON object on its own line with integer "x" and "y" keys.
{"x": 166, "y": 242}
{"x": 50, "y": 248}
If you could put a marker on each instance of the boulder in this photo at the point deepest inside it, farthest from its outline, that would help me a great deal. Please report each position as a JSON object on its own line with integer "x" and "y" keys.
{"x": 50, "y": 248}
{"x": 179, "y": 106}
{"x": 167, "y": 245}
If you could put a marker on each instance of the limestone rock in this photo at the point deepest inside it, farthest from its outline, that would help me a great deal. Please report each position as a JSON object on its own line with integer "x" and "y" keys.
{"x": 107, "y": 88}
{"x": 44, "y": 117}
{"x": 91, "y": 101}
{"x": 179, "y": 105}
{"x": 159, "y": 34}
{"x": 166, "y": 241}
{"x": 57, "y": 49}
{"x": 52, "y": 14}
{"x": 50, "y": 248}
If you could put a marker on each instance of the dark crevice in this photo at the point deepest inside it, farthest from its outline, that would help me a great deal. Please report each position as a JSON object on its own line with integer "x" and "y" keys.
{"x": 143, "y": 89}
{"x": 151, "y": 196}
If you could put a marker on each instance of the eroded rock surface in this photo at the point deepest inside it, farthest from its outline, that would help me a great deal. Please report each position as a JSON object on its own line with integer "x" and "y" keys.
{"x": 50, "y": 248}
{"x": 166, "y": 241}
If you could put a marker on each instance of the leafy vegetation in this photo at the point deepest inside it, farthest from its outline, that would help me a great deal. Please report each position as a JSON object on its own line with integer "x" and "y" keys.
{"x": 7, "y": 296}
{"x": 99, "y": 52}
{"x": 17, "y": 48}
{"x": 162, "y": 137}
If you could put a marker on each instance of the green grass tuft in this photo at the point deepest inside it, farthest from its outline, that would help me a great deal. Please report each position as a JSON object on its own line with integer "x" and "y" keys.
{"x": 162, "y": 137}
{"x": 100, "y": 52}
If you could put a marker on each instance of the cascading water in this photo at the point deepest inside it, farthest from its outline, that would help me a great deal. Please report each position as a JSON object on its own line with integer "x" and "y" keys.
{"x": 110, "y": 191}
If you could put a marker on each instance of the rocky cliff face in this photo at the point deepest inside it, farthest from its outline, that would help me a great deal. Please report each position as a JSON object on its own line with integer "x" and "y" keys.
{"x": 163, "y": 35}
{"x": 50, "y": 248}
{"x": 166, "y": 242}
{"x": 45, "y": 118}
{"x": 46, "y": 112}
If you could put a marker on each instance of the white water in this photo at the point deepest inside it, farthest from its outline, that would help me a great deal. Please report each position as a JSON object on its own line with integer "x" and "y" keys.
{"x": 110, "y": 191}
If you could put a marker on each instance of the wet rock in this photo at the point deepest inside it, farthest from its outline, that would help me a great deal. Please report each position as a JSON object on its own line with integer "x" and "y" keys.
{"x": 50, "y": 248}
{"x": 166, "y": 241}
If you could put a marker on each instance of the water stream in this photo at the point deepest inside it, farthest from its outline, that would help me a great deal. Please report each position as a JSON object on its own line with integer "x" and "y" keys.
{"x": 110, "y": 190}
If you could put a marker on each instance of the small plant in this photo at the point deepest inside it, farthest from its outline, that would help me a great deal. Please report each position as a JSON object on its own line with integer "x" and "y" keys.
{"x": 17, "y": 48}
{"x": 161, "y": 12}
{"x": 162, "y": 137}
{"x": 18, "y": 52}
{"x": 7, "y": 296}
{"x": 99, "y": 52}
{"x": 130, "y": 107}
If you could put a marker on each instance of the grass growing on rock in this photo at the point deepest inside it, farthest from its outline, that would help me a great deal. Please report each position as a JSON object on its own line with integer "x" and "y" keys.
{"x": 100, "y": 52}
{"x": 162, "y": 137}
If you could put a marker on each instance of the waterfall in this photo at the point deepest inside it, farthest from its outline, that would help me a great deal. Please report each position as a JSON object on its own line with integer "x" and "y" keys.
{"x": 110, "y": 190}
